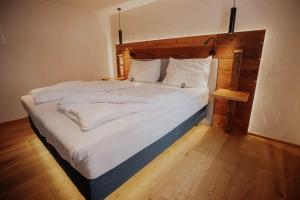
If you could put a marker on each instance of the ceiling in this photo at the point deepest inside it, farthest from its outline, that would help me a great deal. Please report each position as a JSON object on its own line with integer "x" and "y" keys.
{"x": 89, "y": 4}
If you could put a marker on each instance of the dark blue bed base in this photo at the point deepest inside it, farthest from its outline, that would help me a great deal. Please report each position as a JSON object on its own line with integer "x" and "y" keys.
{"x": 101, "y": 187}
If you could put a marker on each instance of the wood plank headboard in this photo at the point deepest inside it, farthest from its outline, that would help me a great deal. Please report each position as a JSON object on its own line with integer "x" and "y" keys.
{"x": 251, "y": 42}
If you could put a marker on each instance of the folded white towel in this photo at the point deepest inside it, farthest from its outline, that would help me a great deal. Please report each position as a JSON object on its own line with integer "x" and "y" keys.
{"x": 89, "y": 116}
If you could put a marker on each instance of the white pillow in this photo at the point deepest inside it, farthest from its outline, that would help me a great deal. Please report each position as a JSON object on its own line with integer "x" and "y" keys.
{"x": 190, "y": 72}
{"x": 185, "y": 79}
{"x": 144, "y": 71}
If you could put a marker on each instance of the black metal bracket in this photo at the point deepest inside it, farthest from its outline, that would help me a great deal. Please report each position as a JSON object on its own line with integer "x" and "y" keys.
{"x": 213, "y": 49}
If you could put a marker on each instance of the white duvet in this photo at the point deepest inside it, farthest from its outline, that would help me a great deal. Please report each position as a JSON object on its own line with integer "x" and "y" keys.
{"x": 70, "y": 88}
{"x": 91, "y": 109}
{"x": 106, "y": 146}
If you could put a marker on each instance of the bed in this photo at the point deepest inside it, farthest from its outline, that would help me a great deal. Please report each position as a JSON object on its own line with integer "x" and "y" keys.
{"x": 101, "y": 160}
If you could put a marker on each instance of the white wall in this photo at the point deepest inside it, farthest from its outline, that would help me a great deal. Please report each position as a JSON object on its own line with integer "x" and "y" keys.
{"x": 276, "y": 107}
{"x": 46, "y": 43}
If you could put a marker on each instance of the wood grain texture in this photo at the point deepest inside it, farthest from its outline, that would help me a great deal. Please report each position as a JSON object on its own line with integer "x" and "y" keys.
{"x": 204, "y": 164}
{"x": 231, "y": 95}
{"x": 251, "y": 42}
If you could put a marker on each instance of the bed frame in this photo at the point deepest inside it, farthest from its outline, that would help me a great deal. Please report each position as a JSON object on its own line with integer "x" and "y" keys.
{"x": 188, "y": 47}
{"x": 101, "y": 187}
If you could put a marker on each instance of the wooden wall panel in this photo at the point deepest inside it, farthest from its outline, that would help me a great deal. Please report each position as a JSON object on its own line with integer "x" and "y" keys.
{"x": 251, "y": 42}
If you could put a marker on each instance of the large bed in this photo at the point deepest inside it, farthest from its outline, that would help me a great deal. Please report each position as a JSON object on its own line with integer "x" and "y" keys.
{"x": 100, "y": 160}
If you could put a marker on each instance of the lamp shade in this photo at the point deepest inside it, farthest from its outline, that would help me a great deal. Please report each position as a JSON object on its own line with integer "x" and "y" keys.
{"x": 120, "y": 31}
{"x": 232, "y": 18}
{"x": 120, "y": 37}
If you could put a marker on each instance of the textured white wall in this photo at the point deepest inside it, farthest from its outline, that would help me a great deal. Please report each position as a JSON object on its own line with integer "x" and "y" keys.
{"x": 44, "y": 44}
{"x": 276, "y": 107}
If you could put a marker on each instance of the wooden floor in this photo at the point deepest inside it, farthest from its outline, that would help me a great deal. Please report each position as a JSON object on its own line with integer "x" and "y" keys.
{"x": 204, "y": 164}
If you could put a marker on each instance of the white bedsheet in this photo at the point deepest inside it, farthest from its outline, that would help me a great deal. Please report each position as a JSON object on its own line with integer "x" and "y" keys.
{"x": 108, "y": 145}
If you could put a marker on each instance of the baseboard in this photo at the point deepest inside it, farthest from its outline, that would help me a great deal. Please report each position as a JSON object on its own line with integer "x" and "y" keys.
{"x": 274, "y": 140}
{"x": 15, "y": 121}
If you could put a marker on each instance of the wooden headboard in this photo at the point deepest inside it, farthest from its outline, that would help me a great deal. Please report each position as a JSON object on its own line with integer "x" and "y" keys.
{"x": 251, "y": 42}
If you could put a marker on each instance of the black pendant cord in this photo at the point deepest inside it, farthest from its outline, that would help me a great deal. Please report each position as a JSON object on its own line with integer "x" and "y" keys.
{"x": 232, "y": 18}
{"x": 119, "y": 9}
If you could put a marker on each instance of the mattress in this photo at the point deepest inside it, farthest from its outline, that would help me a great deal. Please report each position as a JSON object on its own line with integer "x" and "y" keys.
{"x": 97, "y": 151}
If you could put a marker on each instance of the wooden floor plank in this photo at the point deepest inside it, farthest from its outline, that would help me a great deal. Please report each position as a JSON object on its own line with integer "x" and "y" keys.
{"x": 206, "y": 163}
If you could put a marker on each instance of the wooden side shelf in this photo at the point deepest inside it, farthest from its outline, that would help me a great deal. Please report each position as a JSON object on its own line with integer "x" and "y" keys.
{"x": 231, "y": 95}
